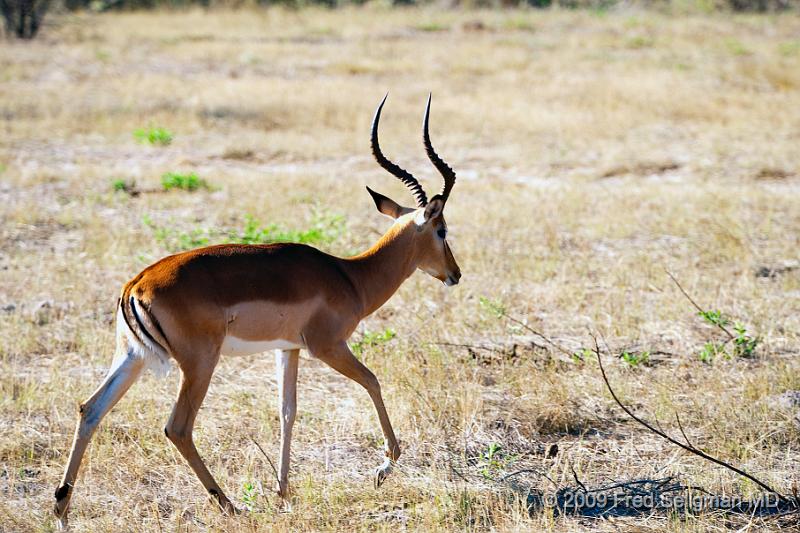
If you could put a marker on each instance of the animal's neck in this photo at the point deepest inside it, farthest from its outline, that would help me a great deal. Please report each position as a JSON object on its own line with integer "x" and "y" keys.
{"x": 379, "y": 272}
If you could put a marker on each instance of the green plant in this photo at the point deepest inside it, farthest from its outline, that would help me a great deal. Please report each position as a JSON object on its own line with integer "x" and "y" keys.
{"x": 175, "y": 240}
{"x": 153, "y": 136}
{"x": 122, "y": 185}
{"x": 324, "y": 229}
{"x": 370, "y": 339}
{"x": 432, "y": 27}
{"x": 249, "y": 495}
{"x": 715, "y": 318}
{"x": 581, "y": 355}
{"x": 635, "y": 359}
{"x": 744, "y": 344}
{"x": 252, "y": 233}
{"x": 193, "y": 239}
{"x": 736, "y": 47}
{"x": 186, "y": 182}
{"x": 465, "y": 506}
{"x": 491, "y": 460}
{"x": 710, "y": 352}
{"x": 494, "y": 308}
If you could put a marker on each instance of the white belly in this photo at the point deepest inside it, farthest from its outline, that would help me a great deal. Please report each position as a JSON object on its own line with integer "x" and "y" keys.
{"x": 236, "y": 346}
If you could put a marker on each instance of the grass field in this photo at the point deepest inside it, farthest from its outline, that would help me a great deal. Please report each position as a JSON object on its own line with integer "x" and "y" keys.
{"x": 594, "y": 152}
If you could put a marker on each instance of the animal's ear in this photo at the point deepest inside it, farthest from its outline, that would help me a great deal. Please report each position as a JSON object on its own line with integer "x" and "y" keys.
{"x": 387, "y": 206}
{"x": 434, "y": 208}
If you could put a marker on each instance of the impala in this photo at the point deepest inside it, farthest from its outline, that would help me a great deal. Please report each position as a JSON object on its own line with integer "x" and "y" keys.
{"x": 232, "y": 299}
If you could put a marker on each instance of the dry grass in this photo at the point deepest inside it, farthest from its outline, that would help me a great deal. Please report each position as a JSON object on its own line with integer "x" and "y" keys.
{"x": 593, "y": 151}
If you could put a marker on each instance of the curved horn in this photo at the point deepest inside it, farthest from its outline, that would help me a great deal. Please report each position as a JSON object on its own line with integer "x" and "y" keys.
{"x": 403, "y": 175}
{"x": 447, "y": 173}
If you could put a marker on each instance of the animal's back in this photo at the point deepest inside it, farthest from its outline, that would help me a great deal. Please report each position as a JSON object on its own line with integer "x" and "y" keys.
{"x": 235, "y": 273}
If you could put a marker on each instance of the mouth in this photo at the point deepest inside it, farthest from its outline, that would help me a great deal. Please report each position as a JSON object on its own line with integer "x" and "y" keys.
{"x": 450, "y": 281}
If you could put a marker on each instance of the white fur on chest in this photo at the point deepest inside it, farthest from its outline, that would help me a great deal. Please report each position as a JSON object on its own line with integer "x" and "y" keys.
{"x": 236, "y": 346}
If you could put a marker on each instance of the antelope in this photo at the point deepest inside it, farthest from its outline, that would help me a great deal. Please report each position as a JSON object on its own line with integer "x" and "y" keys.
{"x": 231, "y": 299}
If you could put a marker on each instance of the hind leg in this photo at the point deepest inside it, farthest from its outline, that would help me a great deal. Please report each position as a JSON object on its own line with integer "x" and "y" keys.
{"x": 125, "y": 370}
{"x": 194, "y": 385}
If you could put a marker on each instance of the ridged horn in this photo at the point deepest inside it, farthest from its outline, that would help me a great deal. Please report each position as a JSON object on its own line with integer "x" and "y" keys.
{"x": 401, "y": 174}
{"x": 444, "y": 169}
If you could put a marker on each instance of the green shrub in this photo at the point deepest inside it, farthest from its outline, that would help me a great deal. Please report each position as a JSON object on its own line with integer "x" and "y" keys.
{"x": 370, "y": 339}
{"x": 324, "y": 229}
{"x": 635, "y": 359}
{"x": 153, "y": 136}
{"x": 186, "y": 182}
{"x": 119, "y": 184}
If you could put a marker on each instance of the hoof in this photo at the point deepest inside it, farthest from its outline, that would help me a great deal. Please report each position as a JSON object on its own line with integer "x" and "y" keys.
{"x": 224, "y": 503}
{"x": 285, "y": 505}
{"x": 285, "y": 494}
{"x": 382, "y": 472}
{"x": 380, "y": 476}
{"x": 62, "y": 495}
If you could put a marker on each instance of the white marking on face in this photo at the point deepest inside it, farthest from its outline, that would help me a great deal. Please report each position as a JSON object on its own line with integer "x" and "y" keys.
{"x": 235, "y": 346}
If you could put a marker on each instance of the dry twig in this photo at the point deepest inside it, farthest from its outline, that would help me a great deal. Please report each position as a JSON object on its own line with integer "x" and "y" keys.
{"x": 544, "y": 337}
{"x": 702, "y": 311}
{"x": 688, "y": 447}
{"x": 578, "y": 481}
{"x": 274, "y": 470}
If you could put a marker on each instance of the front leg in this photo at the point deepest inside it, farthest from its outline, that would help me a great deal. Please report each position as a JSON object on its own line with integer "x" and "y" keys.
{"x": 339, "y": 357}
{"x": 286, "y": 362}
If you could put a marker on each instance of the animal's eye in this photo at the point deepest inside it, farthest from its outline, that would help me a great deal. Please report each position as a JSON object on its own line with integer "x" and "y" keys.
{"x": 442, "y": 233}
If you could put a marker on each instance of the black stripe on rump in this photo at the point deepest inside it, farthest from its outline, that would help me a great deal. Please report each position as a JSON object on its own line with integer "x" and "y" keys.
{"x": 141, "y": 326}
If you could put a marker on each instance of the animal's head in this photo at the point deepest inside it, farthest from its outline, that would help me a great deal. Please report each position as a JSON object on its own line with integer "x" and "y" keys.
{"x": 430, "y": 246}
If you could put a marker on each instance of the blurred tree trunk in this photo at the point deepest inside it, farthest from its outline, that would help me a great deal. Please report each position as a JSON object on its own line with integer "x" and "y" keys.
{"x": 8, "y": 16}
{"x": 23, "y": 18}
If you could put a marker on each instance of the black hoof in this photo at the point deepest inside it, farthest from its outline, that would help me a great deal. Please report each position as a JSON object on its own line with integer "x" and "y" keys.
{"x": 62, "y": 500}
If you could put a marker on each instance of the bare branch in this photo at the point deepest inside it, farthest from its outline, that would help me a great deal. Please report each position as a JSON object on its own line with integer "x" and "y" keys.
{"x": 730, "y": 335}
{"x": 678, "y": 418}
{"x": 528, "y": 471}
{"x": 658, "y": 424}
{"x": 274, "y": 470}
{"x": 538, "y": 334}
{"x": 689, "y": 448}
{"x": 578, "y": 481}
